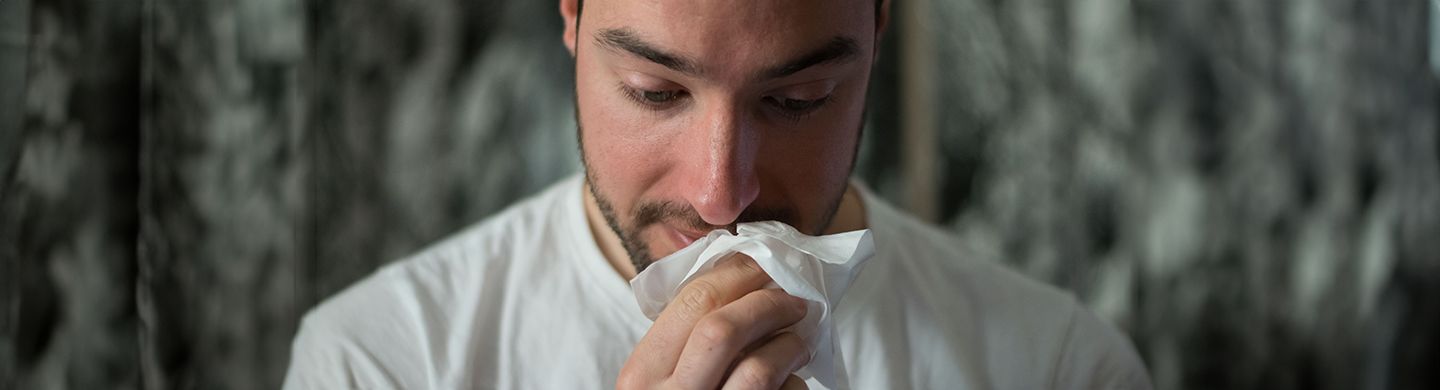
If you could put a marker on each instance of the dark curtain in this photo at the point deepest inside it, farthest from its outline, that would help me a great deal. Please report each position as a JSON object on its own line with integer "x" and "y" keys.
{"x": 1250, "y": 189}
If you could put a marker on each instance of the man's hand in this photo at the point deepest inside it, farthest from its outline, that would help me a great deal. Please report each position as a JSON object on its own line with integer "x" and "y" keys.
{"x": 722, "y": 331}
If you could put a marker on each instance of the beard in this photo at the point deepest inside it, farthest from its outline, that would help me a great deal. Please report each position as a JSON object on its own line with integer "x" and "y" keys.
{"x": 648, "y": 213}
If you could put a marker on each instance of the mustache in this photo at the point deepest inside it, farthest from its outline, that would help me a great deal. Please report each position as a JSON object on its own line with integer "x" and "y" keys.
{"x": 649, "y": 213}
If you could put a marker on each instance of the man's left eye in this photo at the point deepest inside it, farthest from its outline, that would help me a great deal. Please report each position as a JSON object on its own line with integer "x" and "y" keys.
{"x": 797, "y": 105}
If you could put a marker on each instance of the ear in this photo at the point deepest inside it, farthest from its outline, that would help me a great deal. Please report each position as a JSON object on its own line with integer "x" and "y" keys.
{"x": 570, "y": 11}
{"x": 881, "y": 21}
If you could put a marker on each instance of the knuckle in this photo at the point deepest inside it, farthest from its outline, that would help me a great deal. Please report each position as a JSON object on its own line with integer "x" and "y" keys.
{"x": 630, "y": 379}
{"x": 716, "y": 331}
{"x": 785, "y": 302}
{"x": 700, "y": 297}
{"x": 753, "y": 374}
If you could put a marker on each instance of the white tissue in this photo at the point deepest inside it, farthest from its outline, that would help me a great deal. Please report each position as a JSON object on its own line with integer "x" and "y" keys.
{"x": 817, "y": 269}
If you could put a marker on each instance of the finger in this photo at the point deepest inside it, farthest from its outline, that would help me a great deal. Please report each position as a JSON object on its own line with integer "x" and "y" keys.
{"x": 771, "y": 366}
{"x": 721, "y": 337}
{"x": 794, "y": 383}
{"x": 656, "y": 353}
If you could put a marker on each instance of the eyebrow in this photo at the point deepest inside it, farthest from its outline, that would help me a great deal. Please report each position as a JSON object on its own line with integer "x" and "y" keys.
{"x": 837, "y": 50}
{"x": 626, "y": 40}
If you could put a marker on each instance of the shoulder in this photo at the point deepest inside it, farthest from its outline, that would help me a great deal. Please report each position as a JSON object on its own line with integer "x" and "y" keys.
{"x": 1096, "y": 355}
{"x": 916, "y": 256}
{"x": 995, "y": 323}
{"x": 346, "y": 341}
{"x": 391, "y": 329}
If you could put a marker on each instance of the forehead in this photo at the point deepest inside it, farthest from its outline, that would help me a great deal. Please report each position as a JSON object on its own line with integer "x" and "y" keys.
{"x": 734, "y": 36}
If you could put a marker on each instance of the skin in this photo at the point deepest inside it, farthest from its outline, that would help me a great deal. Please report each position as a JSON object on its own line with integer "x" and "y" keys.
{"x": 699, "y": 114}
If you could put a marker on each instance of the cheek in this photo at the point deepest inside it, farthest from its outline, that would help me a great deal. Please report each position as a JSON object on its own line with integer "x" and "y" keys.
{"x": 808, "y": 167}
{"x": 820, "y": 152}
{"x": 619, "y": 151}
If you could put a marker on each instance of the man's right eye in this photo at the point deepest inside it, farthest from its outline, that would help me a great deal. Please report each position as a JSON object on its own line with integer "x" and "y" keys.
{"x": 658, "y": 97}
{"x": 652, "y": 99}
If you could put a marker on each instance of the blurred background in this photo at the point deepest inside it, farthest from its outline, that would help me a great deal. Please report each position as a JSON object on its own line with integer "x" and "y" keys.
{"x": 1250, "y": 189}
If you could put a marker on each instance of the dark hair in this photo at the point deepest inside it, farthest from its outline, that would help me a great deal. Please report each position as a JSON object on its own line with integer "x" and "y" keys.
{"x": 580, "y": 8}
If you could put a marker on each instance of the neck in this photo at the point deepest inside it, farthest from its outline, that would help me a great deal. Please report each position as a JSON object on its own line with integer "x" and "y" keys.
{"x": 850, "y": 216}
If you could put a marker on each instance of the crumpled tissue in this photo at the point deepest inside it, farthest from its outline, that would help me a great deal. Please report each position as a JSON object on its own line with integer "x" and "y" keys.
{"x": 817, "y": 269}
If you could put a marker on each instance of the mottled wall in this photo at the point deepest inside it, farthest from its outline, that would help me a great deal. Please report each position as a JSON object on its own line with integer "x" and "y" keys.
{"x": 68, "y": 219}
{"x": 1250, "y": 188}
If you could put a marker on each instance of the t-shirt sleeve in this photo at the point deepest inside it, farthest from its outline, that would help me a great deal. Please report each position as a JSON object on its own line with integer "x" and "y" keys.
{"x": 366, "y": 337}
{"x": 316, "y": 362}
{"x": 1096, "y": 355}
{"x": 324, "y": 356}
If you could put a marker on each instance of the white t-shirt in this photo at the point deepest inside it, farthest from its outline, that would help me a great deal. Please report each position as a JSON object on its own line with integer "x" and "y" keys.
{"x": 525, "y": 300}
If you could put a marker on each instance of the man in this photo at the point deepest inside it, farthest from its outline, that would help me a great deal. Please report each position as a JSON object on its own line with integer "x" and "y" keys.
{"x": 696, "y": 115}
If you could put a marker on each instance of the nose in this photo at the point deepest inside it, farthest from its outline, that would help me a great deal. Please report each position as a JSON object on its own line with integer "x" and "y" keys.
{"x": 721, "y": 181}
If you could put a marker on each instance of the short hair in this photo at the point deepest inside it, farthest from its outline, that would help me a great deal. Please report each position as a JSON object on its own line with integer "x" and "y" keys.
{"x": 580, "y": 8}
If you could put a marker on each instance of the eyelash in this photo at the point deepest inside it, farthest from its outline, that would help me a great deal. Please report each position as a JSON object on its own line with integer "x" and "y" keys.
{"x": 638, "y": 97}
{"x": 801, "y": 110}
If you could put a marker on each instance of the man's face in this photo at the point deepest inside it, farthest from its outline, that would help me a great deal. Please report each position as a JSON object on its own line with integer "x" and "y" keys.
{"x": 698, "y": 114}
